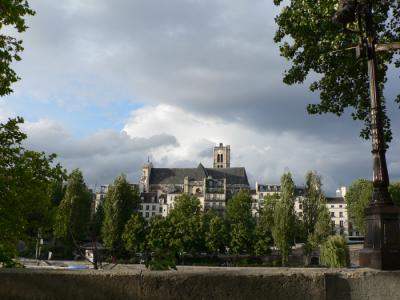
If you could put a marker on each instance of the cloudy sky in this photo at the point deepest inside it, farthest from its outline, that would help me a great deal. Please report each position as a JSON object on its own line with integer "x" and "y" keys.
{"x": 106, "y": 84}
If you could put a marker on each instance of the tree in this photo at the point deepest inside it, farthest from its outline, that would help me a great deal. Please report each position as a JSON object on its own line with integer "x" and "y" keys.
{"x": 186, "y": 221}
{"x": 335, "y": 252}
{"x": 316, "y": 218}
{"x": 158, "y": 242}
{"x": 12, "y": 13}
{"x": 134, "y": 235}
{"x": 25, "y": 178}
{"x": 120, "y": 202}
{"x": 263, "y": 231}
{"x": 394, "y": 190}
{"x": 73, "y": 214}
{"x": 283, "y": 230}
{"x": 216, "y": 234}
{"x": 309, "y": 38}
{"x": 241, "y": 223}
{"x": 358, "y": 198}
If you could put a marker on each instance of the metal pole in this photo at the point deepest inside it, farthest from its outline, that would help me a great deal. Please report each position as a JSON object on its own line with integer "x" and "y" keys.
{"x": 381, "y": 194}
{"x": 382, "y": 218}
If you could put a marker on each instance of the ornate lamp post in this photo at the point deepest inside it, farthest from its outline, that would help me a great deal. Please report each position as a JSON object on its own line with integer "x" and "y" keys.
{"x": 382, "y": 228}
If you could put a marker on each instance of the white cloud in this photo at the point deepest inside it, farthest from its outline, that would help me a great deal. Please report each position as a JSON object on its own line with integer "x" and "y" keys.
{"x": 265, "y": 154}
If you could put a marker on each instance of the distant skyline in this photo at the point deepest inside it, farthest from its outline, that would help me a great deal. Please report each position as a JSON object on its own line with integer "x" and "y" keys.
{"x": 105, "y": 84}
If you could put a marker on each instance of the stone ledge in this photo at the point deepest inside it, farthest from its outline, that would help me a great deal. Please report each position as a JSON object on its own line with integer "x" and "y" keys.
{"x": 200, "y": 283}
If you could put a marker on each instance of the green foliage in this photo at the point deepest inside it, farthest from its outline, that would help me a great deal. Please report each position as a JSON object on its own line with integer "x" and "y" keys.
{"x": 215, "y": 231}
{"x": 134, "y": 235}
{"x": 25, "y": 181}
{"x": 241, "y": 223}
{"x": 394, "y": 190}
{"x": 96, "y": 222}
{"x": 73, "y": 214}
{"x": 358, "y": 198}
{"x": 284, "y": 228}
{"x": 335, "y": 252}
{"x": 186, "y": 221}
{"x": 12, "y": 13}
{"x": 314, "y": 44}
{"x": 316, "y": 218}
{"x": 158, "y": 241}
{"x": 263, "y": 231}
{"x": 120, "y": 202}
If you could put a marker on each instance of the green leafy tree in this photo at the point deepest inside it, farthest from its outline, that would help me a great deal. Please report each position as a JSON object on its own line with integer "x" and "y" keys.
{"x": 394, "y": 190}
{"x": 12, "y": 14}
{"x": 358, "y": 198}
{"x": 164, "y": 253}
{"x": 335, "y": 252}
{"x": 216, "y": 235}
{"x": 120, "y": 202}
{"x": 134, "y": 235}
{"x": 241, "y": 223}
{"x": 284, "y": 229}
{"x": 263, "y": 231}
{"x": 314, "y": 44}
{"x": 25, "y": 180}
{"x": 186, "y": 221}
{"x": 73, "y": 214}
{"x": 316, "y": 218}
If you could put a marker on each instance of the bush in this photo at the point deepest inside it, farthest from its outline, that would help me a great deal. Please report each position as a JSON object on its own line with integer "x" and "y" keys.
{"x": 335, "y": 252}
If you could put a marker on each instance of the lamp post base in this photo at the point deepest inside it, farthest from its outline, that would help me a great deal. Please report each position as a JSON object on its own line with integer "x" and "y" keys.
{"x": 382, "y": 238}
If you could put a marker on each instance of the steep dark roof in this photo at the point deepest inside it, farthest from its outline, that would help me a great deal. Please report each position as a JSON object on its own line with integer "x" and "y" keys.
{"x": 335, "y": 200}
{"x": 177, "y": 175}
{"x": 232, "y": 175}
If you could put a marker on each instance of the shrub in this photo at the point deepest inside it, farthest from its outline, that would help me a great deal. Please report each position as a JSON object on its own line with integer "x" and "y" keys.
{"x": 335, "y": 252}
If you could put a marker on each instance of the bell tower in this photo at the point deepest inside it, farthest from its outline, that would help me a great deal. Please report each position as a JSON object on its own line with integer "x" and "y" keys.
{"x": 222, "y": 156}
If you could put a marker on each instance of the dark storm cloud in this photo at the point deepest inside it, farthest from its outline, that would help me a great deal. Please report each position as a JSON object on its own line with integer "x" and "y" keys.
{"x": 211, "y": 58}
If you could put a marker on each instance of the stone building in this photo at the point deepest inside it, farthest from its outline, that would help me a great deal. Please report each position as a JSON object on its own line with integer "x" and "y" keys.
{"x": 336, "y": 205}
{"x": 212, "y": 186}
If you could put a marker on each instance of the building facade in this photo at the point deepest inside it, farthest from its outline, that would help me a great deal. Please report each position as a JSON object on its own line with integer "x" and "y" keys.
{"x": 214, "y": 187}
{"x": 336, "y": 205}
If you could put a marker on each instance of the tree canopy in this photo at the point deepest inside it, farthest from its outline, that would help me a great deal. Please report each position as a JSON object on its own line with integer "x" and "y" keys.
{"x": 12, "y": 14}
{"x": 121, "y": 201}
{"x": 284, "y": 228}
{"x": 73, "y": 214}
{"x": 25, "y": 186}
{"x": 314, "y": 44}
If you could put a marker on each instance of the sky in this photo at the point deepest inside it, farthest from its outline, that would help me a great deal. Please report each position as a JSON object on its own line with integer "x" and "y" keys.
{"x": 108, "y": 84}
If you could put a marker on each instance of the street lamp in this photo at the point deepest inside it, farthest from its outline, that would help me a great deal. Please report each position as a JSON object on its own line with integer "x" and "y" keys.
{"x": 382, "y": 225}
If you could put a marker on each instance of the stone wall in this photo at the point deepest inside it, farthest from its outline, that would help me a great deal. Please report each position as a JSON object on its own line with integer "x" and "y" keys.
{"x": 200, "y": 283}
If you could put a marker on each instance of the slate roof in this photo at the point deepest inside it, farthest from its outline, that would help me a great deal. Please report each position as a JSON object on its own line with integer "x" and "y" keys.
{"x": 177, "y": 175}
{"x": 335, "y": 200}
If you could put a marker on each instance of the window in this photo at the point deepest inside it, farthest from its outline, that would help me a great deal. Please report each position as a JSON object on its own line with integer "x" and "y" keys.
{"x": 153, "y": 207}
{"x": 333, "y": 223}
{"x": 160, "y": 209}
{"x": 332, "y": 206}
{"x": 141, "y": 207}
{"x": 341, "y": 214}
{"x": 147, "y": 207}
{"x": 340, "y": 206}
{"x": 222, "y": 158}
{"x": 332, "y": 214}
{"x": 147, "y": 214}
{"x": 300, "y": 206}
{"x": 153, "y": 213}
{"x": 300, "y": 214}
{"x": 341, "y": 224}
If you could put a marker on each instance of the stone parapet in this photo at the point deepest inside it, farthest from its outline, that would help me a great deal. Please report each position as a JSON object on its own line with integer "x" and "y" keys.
{"x": 125, "y": 282}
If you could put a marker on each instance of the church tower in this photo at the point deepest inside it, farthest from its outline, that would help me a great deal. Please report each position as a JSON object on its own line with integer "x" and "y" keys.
{"x": 144, "y": 185}
{"x": 222, "y": 156}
